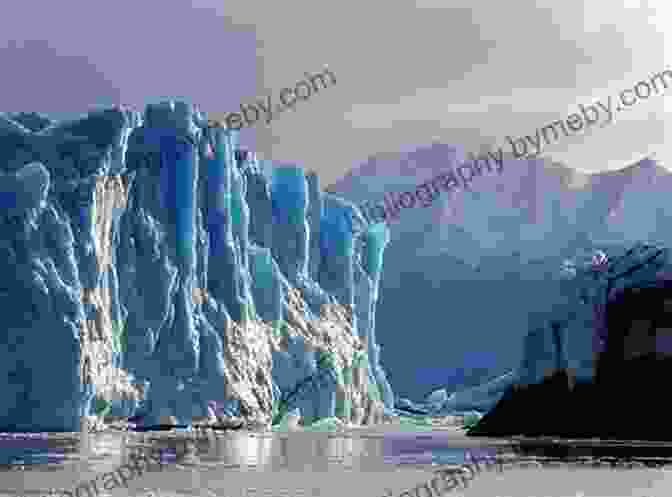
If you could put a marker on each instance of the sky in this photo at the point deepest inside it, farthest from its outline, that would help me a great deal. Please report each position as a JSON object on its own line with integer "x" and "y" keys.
{"x": 408, "y": 72}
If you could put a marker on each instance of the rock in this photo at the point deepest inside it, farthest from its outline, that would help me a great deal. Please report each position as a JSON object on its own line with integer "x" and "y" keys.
{"x": 630, "y": 300}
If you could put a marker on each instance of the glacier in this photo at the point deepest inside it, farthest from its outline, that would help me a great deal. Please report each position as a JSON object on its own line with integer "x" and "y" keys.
{"x": 154, "y": 270}
{"x": 157, "y": 272}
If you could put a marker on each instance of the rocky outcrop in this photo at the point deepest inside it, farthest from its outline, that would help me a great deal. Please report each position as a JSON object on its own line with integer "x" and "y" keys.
{"x": 609, "y": 337}
{"x": 152, "y": 270}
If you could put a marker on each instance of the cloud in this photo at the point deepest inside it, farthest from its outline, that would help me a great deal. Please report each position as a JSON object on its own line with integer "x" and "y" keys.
{"x": 36, "y": 77}
{"x": 408, "y": 72}
{"x": 93, "y": 53}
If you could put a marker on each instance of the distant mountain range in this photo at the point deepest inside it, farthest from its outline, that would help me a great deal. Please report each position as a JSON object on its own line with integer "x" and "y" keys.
{"x": 462, "y": 276}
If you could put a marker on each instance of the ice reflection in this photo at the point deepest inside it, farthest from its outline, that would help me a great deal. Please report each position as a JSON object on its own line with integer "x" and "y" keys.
{"x": 251, "y": 452}
{"x": 237, "y": 451}
{"x": 35, "y": 449}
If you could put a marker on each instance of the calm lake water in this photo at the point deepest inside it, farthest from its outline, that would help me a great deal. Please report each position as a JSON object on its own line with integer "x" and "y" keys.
{"x": 224, "y": 464}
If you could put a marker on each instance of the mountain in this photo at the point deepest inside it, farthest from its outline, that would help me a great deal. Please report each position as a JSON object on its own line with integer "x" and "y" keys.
{"x": 477, "y": 267}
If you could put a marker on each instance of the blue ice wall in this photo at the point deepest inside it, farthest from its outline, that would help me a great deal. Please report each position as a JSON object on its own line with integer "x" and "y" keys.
{"x": 337, "y": 249}
{"x": 164, "y": 340}
{"x": 47, "y": 259}
{"x": 289, "y": 197}
{"x": 266, "y": 285}
{"x": 316, "y": 397}
{"x": 291, "y": 234}
{"x": 24, "y": 191}
{"x": 304, "y": 384}
{"x": 178, "y": 186}
{"x": 290, "y": 193}
{"x": 206, "y": 236}
{"x": 376, "y": 239}
{"x": 226, "y": 275}
{"x": 241, "y": 225}
{"x": 239, "y": 208}
{"x": 219, "y": 191}
{"x": 259, "y": 202}
{"x": 314, "y": 217}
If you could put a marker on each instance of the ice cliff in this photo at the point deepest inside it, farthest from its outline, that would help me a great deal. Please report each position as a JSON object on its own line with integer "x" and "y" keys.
{"x": 153, "y": 268}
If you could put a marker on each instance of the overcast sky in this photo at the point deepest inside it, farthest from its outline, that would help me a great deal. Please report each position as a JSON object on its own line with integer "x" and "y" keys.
{"x": 408, "y": 72}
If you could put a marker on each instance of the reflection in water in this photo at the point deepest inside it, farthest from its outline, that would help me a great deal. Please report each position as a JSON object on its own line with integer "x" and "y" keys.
{"x": 53, "y": 460}
{"x": 81, "y": 457}
{"x": 235, "y": 450}
{"x": 33, "y": 448}
{"x": 238, "y": 450}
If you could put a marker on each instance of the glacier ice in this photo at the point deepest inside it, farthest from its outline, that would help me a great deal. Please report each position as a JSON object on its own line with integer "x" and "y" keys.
{"x": 170, "y": 276}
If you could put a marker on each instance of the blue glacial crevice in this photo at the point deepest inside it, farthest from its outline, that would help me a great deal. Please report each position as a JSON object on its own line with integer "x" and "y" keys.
{"x": 266, "y": 285}
{"x": 289, "y": 201}
{"x": 377, "y": 238}
{"x": 290, "y": 230}
{"x": 240, "y": 216}
{"x": 337, "y": 248}
{"x": 291, "y": 234}
{"x": 314, "y": 218}
{"x": 171, "y": 277}
{"x": 259, "y": 200}
{"x": 240, "y": 212}
{"x": 163, "y": 342}
{"x": 225, "y": 271}
{"x": 178, "y": 188}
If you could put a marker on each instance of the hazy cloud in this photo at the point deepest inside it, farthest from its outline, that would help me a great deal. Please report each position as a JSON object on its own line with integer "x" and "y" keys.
{"x": 407, "y": 72}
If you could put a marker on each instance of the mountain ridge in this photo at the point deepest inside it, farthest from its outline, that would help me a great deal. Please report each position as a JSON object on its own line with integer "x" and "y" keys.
{"x": 475, "y": 262}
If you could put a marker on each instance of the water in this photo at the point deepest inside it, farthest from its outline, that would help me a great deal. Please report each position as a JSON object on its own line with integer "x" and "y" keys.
{"x": 228, "y": 464}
